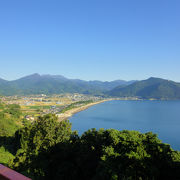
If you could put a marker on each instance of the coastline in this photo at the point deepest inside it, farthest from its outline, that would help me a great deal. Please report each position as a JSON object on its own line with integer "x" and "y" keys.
{"x": 71, "y": 112}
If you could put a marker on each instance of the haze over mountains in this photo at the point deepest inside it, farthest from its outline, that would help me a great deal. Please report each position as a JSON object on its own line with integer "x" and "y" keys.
{"x": 55, "y": 84}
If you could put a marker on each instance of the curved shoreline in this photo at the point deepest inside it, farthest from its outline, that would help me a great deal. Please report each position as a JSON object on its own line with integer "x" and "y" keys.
{"x": 71, "y": 112}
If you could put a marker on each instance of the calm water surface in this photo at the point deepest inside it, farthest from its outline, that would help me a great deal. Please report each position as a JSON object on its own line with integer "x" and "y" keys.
{"x": 161, "y": 117}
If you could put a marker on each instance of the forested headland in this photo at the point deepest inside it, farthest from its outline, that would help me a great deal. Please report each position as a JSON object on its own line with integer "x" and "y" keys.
{"x": 49, "y": 149}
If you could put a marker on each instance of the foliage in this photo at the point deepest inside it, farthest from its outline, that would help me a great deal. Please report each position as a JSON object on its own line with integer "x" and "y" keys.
{"x": 39, "y": 137}
{"x": 9, "y": 119}
{"x": 14, "y": 110}
{"x": 9, "y": 116}
{"x": 104, "y": 154}
{"x": 7, "y": 127}
{"x": 5, "y": 155}
{"x": 8, "y": 149}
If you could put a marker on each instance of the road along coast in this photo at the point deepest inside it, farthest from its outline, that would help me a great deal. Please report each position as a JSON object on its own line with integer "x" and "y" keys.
{"x": 69, "y": 113}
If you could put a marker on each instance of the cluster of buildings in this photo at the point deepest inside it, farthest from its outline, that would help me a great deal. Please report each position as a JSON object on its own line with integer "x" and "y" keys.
{"x": 46, "y": 104}
{"x": 82, "y": 97}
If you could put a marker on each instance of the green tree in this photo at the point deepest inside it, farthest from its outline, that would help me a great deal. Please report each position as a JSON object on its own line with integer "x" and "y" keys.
{"x": 111, "y": 154}
{"x": 9, "y": 115}
{"x": 14, "y": 110}
{"x": 104, "y": 154}
{"x": 39, "y": 137}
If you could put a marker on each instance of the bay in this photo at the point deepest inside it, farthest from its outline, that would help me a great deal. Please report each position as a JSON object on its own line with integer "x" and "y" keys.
{"x": 160, "y": 117}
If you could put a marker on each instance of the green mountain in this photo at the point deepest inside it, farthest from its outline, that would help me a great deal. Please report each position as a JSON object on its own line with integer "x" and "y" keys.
{"x": 151, "y": 88}
{"x": 55, "y": 84}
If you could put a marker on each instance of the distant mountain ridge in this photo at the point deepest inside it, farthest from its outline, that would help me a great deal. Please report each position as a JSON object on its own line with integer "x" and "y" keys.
{"x": 151, "y": 88}
{"x": 55, "y": 84}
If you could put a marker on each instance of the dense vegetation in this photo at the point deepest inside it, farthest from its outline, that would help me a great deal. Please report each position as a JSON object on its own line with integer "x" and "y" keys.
{"x": 10, "y": 122}
{"x": 9, "y": 118}
{"x": 48, "y": 149}
{"x": 151, "y": 88}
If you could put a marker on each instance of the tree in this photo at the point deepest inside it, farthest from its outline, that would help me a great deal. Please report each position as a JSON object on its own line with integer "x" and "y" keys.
{"x": 38, "y": 137}
{"x": 104, "y": 154}
{"x": 111, "y": 154}
{"x": 14, "y": 110}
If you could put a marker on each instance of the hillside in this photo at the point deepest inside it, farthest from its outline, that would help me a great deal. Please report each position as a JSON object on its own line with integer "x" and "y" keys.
{"x": 150, "y": 88}
{"x": 55, "y": 84}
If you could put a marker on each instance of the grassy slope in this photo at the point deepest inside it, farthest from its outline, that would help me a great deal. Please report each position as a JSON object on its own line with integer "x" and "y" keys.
{"x": 9, "y": 123}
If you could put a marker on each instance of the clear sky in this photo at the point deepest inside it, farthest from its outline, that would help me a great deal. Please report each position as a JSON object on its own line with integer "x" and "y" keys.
{"x": 90, "y": 39}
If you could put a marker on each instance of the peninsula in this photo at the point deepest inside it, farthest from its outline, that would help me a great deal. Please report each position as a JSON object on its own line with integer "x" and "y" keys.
{"x": 65, "y": 115}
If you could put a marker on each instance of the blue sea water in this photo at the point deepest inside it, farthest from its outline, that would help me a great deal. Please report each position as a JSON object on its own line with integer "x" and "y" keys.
{"x": 160, "y": 117}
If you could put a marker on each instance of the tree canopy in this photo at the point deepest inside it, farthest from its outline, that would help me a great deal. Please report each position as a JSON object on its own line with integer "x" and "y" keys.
{"x": 39, "y": 137}
{"x": 102, "y": 154}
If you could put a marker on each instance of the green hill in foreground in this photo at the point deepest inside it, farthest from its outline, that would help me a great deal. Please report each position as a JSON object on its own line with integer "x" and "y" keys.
{"x": 151, "y": 88}
{"x": 50, "y": 150}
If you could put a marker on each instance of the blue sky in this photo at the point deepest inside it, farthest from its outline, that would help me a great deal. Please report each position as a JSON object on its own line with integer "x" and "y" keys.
{"x": 90, "y": 39}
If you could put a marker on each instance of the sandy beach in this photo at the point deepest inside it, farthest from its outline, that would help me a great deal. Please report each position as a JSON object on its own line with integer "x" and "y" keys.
{"x": 69, "y": 113}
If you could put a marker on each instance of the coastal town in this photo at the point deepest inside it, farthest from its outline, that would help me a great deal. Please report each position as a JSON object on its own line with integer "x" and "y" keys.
{"x": 63, "y": 105}
{"x": 34, "y": 106}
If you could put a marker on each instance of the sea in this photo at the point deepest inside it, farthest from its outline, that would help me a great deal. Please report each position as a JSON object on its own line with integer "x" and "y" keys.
{"x": 159, "y": 117}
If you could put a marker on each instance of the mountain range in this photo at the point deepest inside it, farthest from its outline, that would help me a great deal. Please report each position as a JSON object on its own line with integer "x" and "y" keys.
{"x": 151, "y": 88}
{"x": 55, "y": 84}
